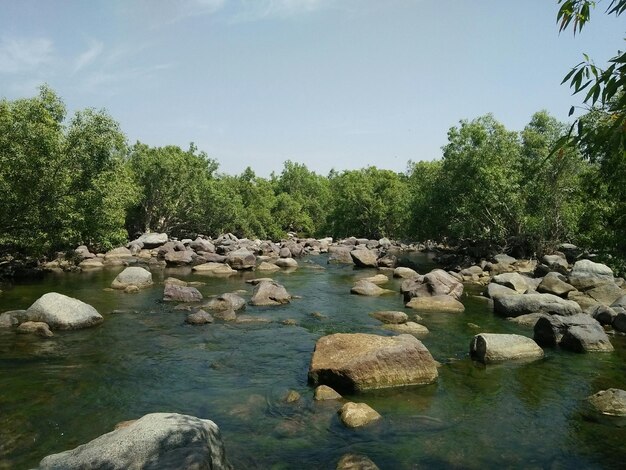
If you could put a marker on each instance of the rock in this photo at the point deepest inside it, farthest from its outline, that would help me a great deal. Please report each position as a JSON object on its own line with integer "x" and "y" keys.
{"x": 619, "y": 305}
{"x": 324, "y": 392}
{"x": 405, "y": 273}
{"x": 61, "y": 312}
{"x": 355, "y": 415}
{"x": 365, "y": 258}
{"x": 259, "y": 280}
{"x": 516, "y": 305}
{"x": 582, "y": 299}
{"x": 133, "y": 276}
{"x": 514, "y": 281}
{"x": 438, "y": 303}
{"x": 118, "y": 254}
{"x": 225, "y": 315}
{"x": 357, "y": 362}
{"x": 377, "y": 279}
{"x": 611, "y": 402}
{"x": 131, "y": 290}
{"x": 552, "y": 284}
{"x": 503, "y": 259}
{"x": 270, "y": 293}
{"x": 578, "y": 333}
{"x": 241, "y": 259}
{"x": 587, "y": 274}
{"x": 199, "y": 318}
{"x": 490, "y": 347}
{"x": 530, "y": 319}
{"x": 410, "y": 328}
{"x": 179, "y": 258}
{"x": 368, "y": 289}
{"x": 176, "y": 293}
{"x": 619, "y": 322}
{"x": 603, "y": 314}
{"x": 12, "y": 318}
{"x": 390, "y": 317}
{"x": 157, "y": 440}
{"x": 387, "y": 261}
{"x": 292, "y": 396}
{"x": 442, "y": 283}
{"x": 91, "y": 263}
{"x": 214, "y": 269}
{"x": 286, "y": 263}
{"x": 226, "y": 301}
{"x": 267, "y": 267}
{"x": 152, "y": 240}
{"x": 355, "y": 462}
{"x": 35, "y": 327}
{"x": 200, "y": 244}
{"x": 606, "y": 293}
{"x": 82, "y": 252}
{"x": 252, "y": 319}
{"x": 556, "y": 262}
{"x": 339, "y": 255}
{"x": 495, "y": 290}
{"x": 175, "y": 282}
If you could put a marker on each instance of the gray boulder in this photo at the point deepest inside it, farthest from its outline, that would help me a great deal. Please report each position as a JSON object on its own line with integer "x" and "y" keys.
{"x": 200, "y": 244}
{"x": 152, "y": 240}
{"x": 155, "y": 441}
{"x": 173, "y": 292}
{"x": 611, "y": 402}
{"x": 12, "y": 318}
{"x": 365, "y": 258}
{"x": 286, "y": 263}
{"x": 405, "y": 273}
{"x": 556, "y": 262}
{"x": 368, "y": 288}
{"x": 603, "y": 314}
{"x": 339, "y": 255}
{"x": 514, "y": 281}
{"x": 553, "y": 284}
{"x": 241, "y": 259}
{"x": 61, "y": 312}
{"x": 437, "y": 303}
{"x": 495, "y": 290}
{"x": 516, "y": 305}
{"x": 490, "y": 347}
{"x": 133, "y": 276}
{"x": 226, "y": 301}
{"x": 436, "y": 283}
{"x": 199, "y": 318}
{"x": 587, "y": 274}
{"x": 179, "y": 258}
{"x": 270, "y": 293}
{"x": 606, "y": 293}
{"x": 579, "y": 333}
{"x": 390, "y": 317}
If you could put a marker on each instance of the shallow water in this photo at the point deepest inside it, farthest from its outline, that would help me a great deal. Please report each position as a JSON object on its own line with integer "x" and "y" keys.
{"x": 61, "y": 392}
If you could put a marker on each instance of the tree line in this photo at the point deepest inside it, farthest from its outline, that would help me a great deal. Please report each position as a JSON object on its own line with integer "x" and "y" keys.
{"x": 70, "y": 181}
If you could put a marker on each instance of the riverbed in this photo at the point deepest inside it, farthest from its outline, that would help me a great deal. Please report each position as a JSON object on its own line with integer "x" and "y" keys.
{"x": 60, "y": 392}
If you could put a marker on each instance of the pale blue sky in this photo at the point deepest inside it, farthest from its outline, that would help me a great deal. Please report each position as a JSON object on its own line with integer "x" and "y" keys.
{"x": 330, "y": 83}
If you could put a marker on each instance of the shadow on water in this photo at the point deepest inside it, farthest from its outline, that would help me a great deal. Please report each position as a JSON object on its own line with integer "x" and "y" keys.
{"x": 67, "y": 390}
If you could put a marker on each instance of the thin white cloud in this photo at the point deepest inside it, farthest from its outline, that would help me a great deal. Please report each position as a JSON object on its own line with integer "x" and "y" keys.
{"x": 254, "y": 10}
{"x": 87, "y": 57}
{"x": 24, "y": 54}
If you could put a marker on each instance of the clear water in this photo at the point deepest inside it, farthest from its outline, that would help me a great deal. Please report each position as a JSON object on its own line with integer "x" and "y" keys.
{"x": 61, "y": 392}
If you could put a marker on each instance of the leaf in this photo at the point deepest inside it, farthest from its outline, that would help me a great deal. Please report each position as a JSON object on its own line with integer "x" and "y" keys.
{"x": 571, "y": 111}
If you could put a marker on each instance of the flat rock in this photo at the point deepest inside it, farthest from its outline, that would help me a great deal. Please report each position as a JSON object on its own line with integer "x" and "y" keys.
{"x": 357, "y": 361}
{"x": 214, "y": 269}
{"x": 491, "y": 347}
{"x": 516, "y": 305}
{"x": 157, "y": 440}
{"x": 410, "y": 328}
{"x": 390, "y": 316}
{"x": 405, "y": 273}
{"x": 438, "y": 303}
{"x": 355, "y": 415}
{"x": 133, "y": 276}
{"x": 61, "y": 312}
{"x": 368, "y": 289}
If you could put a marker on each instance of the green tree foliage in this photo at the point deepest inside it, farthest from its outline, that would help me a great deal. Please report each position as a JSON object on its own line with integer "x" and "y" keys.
{"x": 173, "y": 182}
{"x": 61, "y": 184}
{"x": 369, "y": 202}
{"x": 424, "y": 204}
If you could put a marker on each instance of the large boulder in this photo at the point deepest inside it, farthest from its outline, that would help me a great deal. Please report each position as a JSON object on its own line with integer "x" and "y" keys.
{"x": 553, "y": 284}
{"x": 200, "y": 244}
{"x": 151, "y": 240}
{"x": 606, "y": 293}
{"x": 61, "y": 312}
{"x": 215, "y": 269}
{"x": 356, "y": 362}
{"x": 491, "y": 347}
{"x": 339, "y": 255}
{"x": 436, "y": 283}
{"x": 514, "y": 281}
{"x": 179, "y": 258}
{"x": 286, "y": 263}
{"x": 579, "y": 333}
{"x": 157, "y": 440}
{"x": 365, "y": 258}
{"x": 405, "y": 273}
{"x": 133, "y": 276}
{"x": 241, "y": 259}
{"x": 516, "y": 305}
{"x": 173, "y": 292}
{"x": 270, "y": 293}
{"x": 495, "y": 290}
{"x": 587, "y": 274}
{"x": 437, "y": 303}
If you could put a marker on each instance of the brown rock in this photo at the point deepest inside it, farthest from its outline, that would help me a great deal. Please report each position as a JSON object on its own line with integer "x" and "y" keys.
{"x": 355, "y": 415}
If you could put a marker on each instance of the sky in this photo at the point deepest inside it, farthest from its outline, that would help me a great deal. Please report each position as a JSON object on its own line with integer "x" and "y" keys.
{"x": 333, "y": 84}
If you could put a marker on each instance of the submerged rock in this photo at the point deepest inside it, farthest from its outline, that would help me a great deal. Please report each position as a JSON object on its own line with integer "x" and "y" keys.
{"x": 491, "y": 347}
{"x": 157, "y": 440}
{"x": 358, "y": 361}
{"x": 61, "y": 312}
{"x": 611, "y": 402}
{"x": 355, "y": 462}
{"x": 133, "y": 276}
{"x": 355, "y": 415}
{"x": 35, "y": 327}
